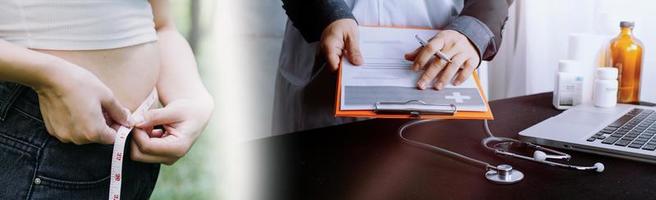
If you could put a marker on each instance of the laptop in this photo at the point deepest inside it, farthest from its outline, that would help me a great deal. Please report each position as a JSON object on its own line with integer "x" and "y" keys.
{"x": 624, "y": 131}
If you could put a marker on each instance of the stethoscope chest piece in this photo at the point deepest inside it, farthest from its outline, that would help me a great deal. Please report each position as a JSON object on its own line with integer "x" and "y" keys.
{"x": 504, "y": 174}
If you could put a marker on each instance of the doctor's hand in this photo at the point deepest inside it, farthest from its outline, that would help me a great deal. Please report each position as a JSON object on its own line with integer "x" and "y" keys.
{"x": 455, "y": 46}
{"x": 183, "y": 120}
{"x": 338, "y": 39}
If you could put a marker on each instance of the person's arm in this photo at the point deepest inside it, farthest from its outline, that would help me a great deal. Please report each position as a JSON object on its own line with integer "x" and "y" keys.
{"x": 72, "y": 100}
{"x": 24, "y": 66}
{"x": 187, "y": 104}
{"x": 473, "y": 36}
{"x": 311, "y": 17}
{"x": 482, "y": 21}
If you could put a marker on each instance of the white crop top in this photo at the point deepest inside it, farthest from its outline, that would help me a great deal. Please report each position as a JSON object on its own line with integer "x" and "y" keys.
{"x": 76, "y": 24}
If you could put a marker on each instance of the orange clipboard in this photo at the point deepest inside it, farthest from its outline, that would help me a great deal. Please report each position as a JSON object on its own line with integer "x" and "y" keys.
{"x": 487, "y": 115}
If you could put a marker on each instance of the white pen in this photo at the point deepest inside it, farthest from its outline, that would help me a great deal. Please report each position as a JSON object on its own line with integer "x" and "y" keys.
{"x": 438, "y": 53}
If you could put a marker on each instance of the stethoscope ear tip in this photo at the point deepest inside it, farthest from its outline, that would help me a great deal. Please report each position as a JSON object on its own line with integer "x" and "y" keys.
{"x": 599, "y": 167}
{"x": 539, "y": 155}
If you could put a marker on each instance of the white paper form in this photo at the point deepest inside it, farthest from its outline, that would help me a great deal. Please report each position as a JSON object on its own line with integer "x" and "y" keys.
{"x": 385, "y": 75}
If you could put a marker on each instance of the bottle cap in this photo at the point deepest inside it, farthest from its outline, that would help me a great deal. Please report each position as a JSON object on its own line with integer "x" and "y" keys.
{"x": 607, "y": 73}
{"x": 627, "y": 24}
{"x": 567, "y": 66}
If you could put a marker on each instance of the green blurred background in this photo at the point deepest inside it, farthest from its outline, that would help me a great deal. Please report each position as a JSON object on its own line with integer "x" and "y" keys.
{"x": 193, "y": 176}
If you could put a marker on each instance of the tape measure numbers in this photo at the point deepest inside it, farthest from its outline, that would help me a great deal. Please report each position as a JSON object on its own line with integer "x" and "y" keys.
{"x": 116, "y": 174}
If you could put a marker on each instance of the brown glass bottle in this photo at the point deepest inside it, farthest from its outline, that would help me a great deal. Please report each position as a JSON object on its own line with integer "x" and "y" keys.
{"x": 626, "y": 56}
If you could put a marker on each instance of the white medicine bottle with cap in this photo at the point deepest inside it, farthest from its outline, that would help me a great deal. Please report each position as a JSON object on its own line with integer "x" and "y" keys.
{"x": 568, "y": 90}
{"x": 605, "y": 87}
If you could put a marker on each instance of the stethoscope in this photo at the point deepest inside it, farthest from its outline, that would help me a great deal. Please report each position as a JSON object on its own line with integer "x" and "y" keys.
{"x": 504, "y": 173}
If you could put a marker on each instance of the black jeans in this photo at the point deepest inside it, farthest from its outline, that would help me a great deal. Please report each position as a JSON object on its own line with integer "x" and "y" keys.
{"x": 35, "y": 165}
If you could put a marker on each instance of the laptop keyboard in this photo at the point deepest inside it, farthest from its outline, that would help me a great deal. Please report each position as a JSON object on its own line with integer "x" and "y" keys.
{"x": 636, "y": 129}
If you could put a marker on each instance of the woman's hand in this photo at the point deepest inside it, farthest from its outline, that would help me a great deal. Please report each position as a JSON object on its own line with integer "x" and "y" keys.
{"x": 338, "y": 38}
{"x": 182, "y": 119}
{"x": 455, "y": 46}
{"x": 77, "y": 107}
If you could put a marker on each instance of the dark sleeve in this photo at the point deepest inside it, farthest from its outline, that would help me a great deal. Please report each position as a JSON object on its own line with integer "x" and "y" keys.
{"x": 310, "y": 17}
{"x": 482, "y": 21}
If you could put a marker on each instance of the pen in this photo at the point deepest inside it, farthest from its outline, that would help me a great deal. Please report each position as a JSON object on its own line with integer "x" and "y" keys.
{"x": 438, "y": 53}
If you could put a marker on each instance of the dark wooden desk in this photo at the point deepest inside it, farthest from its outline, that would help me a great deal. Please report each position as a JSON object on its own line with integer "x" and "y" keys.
{"x": 367, "y": 160}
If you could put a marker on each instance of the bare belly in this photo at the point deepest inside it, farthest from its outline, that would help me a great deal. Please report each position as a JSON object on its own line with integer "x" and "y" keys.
{"x": 130, "y": 72}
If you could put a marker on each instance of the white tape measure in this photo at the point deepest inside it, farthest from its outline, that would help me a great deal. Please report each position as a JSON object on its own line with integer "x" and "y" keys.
{"x": 116, "y": 174}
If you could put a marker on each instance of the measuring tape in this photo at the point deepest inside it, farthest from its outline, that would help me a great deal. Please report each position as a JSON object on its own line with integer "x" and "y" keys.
{"x": 116, "y": 174}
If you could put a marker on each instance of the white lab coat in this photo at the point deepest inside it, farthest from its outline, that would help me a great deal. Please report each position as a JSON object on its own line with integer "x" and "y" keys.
{"x": 305, "y": 91}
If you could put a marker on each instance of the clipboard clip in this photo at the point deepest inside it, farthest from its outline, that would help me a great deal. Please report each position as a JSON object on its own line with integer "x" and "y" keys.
{"x": 415, "y": 108}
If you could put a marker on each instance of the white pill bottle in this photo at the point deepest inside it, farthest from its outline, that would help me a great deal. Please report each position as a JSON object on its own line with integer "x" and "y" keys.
{"x": 605, "y": 87}
{"x": 568, "y": 89}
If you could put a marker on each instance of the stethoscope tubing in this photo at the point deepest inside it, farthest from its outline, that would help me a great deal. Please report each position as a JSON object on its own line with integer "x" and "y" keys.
{"x": 436, "y": 149}
{"x": 486, "y": 144}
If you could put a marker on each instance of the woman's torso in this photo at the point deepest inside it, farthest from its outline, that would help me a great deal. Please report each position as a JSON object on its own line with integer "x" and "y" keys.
{"x": 114, "y": 39}
{"x": 130, "y": 72}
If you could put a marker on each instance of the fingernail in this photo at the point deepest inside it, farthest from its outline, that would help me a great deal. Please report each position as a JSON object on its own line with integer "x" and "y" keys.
{"x": 137, "y": 120}
{"x": 126, "y": 122}
{"x": 440, "y": 86}
{"x": 457, "y": 82}
{"x": 355, "y": 61}
{"x": 421, "y": 85}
